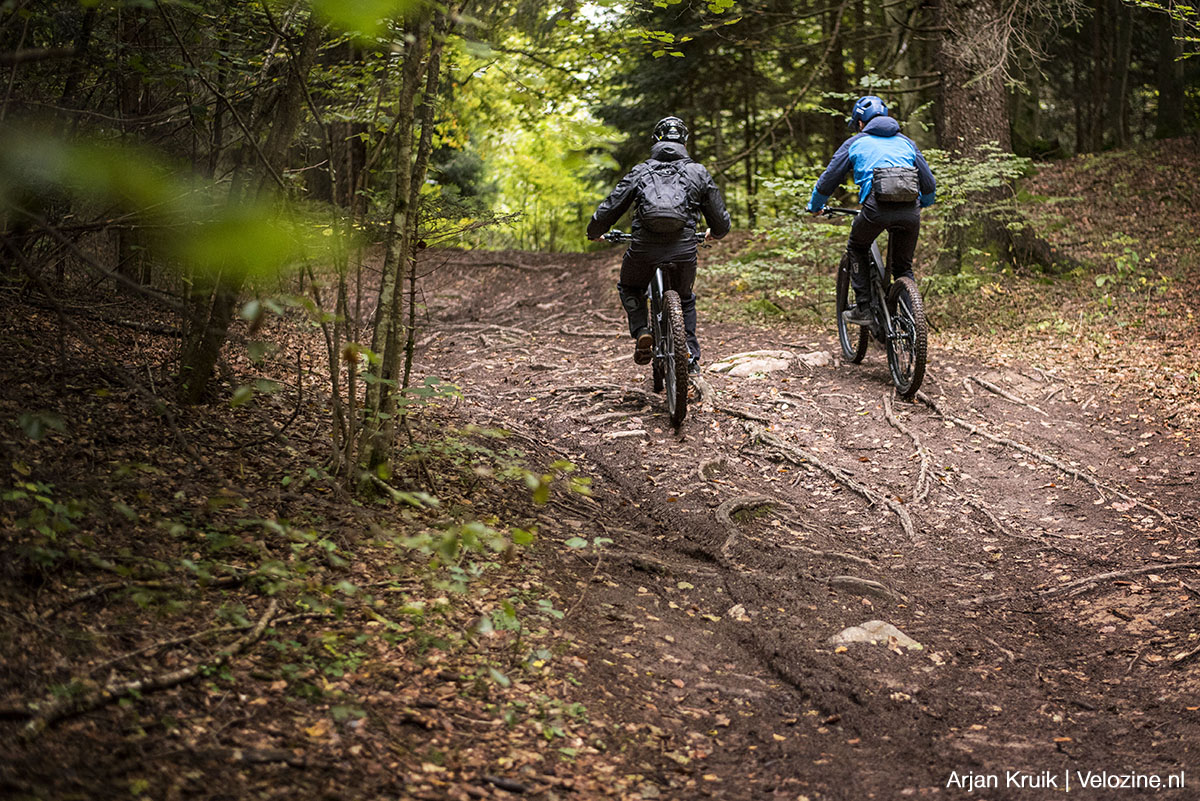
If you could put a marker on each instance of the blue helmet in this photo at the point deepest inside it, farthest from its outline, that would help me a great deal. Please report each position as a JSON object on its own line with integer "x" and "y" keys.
{"x": 866, "y": 109}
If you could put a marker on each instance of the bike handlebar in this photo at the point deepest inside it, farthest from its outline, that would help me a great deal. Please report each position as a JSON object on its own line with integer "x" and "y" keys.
{"x": 830, "y": 211}
{"x": 621, "y": 236}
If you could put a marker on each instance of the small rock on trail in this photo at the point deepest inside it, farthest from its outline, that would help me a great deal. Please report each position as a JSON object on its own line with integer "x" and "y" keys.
{"x": 875, "y": 632}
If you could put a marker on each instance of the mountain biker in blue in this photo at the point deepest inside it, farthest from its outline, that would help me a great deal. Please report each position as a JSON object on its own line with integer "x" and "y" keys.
{"x": 878, "y": 145}
{"x": 651, "y": 247}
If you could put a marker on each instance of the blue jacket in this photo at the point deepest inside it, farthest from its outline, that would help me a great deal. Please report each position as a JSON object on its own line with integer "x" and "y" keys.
{"x": 879, "y": 145}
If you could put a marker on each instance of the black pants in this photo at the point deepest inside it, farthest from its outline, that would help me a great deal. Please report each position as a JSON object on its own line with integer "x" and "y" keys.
{"x": 637, "y": 270}
{"x": 903, "y": 224}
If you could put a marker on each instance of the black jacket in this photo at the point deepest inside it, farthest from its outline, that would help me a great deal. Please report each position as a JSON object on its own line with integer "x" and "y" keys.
{"x": 703, "y": 197}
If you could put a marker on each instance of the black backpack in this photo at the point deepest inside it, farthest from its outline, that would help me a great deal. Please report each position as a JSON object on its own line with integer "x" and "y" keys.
{"x": 663, "y": 197}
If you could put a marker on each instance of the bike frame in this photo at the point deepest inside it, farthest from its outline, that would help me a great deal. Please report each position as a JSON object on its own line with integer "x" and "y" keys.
{"x": 904, "y": 335}
{"x": 658, "y": 286}
{"x": 880, "y": 281}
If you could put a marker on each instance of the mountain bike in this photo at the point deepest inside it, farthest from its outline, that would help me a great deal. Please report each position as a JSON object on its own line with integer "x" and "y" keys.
{"x": 898, "y": 318}
{"x": 670, "y": 355}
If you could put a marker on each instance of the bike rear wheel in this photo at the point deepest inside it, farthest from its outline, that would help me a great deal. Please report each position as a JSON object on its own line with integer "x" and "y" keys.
{"x": 852, "y": 349}
{"x": 906, "y": 346}
{"x": 675, "y": 358}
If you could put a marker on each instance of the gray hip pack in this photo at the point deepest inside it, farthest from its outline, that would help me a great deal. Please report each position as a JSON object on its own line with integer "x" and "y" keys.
{"x": 895, "y": 184}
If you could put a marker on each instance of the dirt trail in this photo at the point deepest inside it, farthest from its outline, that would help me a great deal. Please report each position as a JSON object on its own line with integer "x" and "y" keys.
{"x": 710, "y": 614}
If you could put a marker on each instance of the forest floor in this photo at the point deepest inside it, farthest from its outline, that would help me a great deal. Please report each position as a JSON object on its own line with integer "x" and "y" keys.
{"x": 668, "y": 634}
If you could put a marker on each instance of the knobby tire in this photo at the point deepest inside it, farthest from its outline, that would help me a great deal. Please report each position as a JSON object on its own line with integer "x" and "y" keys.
{"x": 675, "y": 361}
{"x": 906, "y": 357}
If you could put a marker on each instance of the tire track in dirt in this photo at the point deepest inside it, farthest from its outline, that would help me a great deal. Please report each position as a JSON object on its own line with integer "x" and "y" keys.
{"x": 1025, "y": 678}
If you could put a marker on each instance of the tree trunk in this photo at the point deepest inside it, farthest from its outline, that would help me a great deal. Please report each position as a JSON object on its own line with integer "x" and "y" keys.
{"x": 82, "y": 42}
{"x": 973, "y": 114}
{"x": 427, "y": 120}
{"x": 858, "y": 46}
{"x": 1168, "y": 120}
{"x": 1118, "y": 98}
{"x": 1101, "y": 53}
{"x": 389, "y": 311}
{"x": 973, "y": 108}
{"x": 203, "y": 347}
{"x": 1077, "y": 94}
{"x": 837, "y": 77}
{"x": 132, "y": 259}
{"x": 748, "y": 132}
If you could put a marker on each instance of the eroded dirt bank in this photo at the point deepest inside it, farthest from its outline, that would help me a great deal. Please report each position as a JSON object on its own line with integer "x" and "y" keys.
{"x": 1041, "y": 546}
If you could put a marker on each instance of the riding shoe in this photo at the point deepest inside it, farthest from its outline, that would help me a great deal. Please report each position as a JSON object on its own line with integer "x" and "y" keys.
{"x": 693, "y": 365}
{"x": 645, "y": 346}
{"x": 859, "y": 314}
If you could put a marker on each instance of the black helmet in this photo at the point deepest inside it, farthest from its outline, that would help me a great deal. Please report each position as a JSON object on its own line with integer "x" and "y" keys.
{"x": 671, "y": 129}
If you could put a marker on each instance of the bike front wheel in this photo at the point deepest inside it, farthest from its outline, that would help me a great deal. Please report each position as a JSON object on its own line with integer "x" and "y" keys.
{"x": 852, "y": 337}
{"x": 675, "y": 358}
{"x": 907, "y": 341}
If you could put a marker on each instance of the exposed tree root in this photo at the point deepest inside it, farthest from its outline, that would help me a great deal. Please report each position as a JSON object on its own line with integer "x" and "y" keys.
{"x": 511, "y": 265}
{"x": 595, "y": 334}
{"x": 607, "y": 416}
{"x": 651, "y": 564}
{"x": 1008, "y": 396}
{"x": 640, "y": 432}
{"x": 796, "y": 397}
{"x": 744, "y": 414}
{"x": 55, "y": 709}
{"x": 708, "y": 397}
{"x": 112, "y": 586}
{"x": 1058, "y": 464}
{"x": 982, "y": 508}
{"x": 1079, "y": 585}
{"x": 799, "y": 456}
{"x": 730, "y": 507}
{"x": 849, "y": 557}
{"x": 921, "y": 488}
{"x": 863, "y": 586}
{"x": 1184, "y": 658}
{"x": 504, "y": 329}
{"x": 708, "y": 466}
{"x": 199, "y": 635}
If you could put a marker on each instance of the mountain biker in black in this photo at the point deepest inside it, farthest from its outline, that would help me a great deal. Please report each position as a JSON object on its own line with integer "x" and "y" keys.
{"x": 878, "y": 145}
{"x": 652, "y": 246}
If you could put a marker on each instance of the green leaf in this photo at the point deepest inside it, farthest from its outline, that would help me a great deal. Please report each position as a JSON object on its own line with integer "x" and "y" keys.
{"x": 522, "y": 537}
{"x": 35, "y": 424}
{"x": 242, "y": 395}
{"x": 344, "y": 712}
{"x": 252, "y": 310}
{"x": 499, "y": 678}
{"x": 257, "y": 350}
{"x": 576, "y": 542}
{"x": 364, "y": 17}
